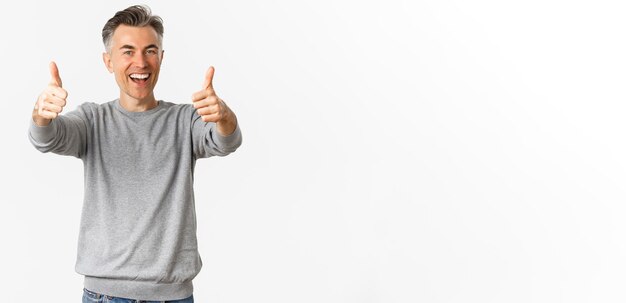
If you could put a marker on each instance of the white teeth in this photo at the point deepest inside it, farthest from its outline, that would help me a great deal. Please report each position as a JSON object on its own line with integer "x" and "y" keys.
{"x": 139, "y": 76}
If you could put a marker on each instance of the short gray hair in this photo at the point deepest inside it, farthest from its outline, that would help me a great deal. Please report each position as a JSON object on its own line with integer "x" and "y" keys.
{"x": 136, "y": 15}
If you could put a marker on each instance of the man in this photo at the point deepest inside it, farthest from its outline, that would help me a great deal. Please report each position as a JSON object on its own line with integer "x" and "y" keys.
{"x": 137, "y": 238}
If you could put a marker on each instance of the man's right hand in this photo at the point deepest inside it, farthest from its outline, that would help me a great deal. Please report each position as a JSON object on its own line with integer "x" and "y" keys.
{"x": 51, "y": 101}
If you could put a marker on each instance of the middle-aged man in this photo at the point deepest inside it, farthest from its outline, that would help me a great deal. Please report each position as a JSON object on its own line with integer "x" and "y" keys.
{"x": 137, "y": 239}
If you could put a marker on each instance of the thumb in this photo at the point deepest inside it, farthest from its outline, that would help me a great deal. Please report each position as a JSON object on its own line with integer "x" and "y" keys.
{"x": 208, "y": 78}
{"x": 54, "y": 73}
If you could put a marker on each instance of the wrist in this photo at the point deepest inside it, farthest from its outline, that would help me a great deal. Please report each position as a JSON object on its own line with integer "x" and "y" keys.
{"x": 227, "y": 124}
{"x": 39, "y": 120}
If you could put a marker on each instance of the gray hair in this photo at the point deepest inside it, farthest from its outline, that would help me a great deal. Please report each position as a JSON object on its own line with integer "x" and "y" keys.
{"x": 136, "y": 15}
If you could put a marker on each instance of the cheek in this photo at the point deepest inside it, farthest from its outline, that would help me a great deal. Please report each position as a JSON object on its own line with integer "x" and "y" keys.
{"x": 120, "y": 74}
{"x": 120, "y": 70}
{"x": 156, "y": 65}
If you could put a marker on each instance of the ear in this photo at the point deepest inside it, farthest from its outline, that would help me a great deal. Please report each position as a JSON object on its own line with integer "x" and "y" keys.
{"x": 106, "y": 58}
{"x": 162, "y": 55}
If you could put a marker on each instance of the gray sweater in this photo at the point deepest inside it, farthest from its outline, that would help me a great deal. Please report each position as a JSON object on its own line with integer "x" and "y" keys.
{"x": 137, "y": 234}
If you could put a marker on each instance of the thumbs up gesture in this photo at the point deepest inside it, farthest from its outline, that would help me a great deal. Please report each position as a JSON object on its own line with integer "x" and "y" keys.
{"x": 51, "y": 101}
{"x": 208, "y": 105}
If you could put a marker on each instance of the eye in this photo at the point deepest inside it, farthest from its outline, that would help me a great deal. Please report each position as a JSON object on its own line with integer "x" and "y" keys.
{"x": 151, "y": 52}
{"x": 128, "y": 52}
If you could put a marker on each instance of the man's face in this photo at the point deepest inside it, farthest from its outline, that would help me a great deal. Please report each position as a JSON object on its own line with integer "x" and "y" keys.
{"x": 135, "y": 57}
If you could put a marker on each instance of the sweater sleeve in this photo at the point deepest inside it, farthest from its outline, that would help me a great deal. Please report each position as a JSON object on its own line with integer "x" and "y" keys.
{"x": 66, "y": 135}
{"x": 208, "y": 142}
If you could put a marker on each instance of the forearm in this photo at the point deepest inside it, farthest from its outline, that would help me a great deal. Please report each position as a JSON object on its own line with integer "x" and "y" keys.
{"x": 64, "y": 135}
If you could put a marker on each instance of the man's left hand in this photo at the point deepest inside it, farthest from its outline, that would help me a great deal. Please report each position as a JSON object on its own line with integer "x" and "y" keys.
{"x": 211, "y": 108}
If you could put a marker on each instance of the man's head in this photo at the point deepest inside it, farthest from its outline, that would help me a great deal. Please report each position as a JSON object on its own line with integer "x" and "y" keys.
{"x": 136, "y": 15}
{"x": 133, "y": 40}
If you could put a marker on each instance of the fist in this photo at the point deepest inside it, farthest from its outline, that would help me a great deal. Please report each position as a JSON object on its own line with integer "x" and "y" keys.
{"x": 208, "y": 105}
{"x": 52, "y": 100}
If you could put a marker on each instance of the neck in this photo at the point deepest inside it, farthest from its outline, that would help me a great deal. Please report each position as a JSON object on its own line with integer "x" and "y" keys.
{"x": 138, "y": 105}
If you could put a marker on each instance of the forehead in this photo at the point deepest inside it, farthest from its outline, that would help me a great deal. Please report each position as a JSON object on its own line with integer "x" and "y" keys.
{"x": 134, "y": 36}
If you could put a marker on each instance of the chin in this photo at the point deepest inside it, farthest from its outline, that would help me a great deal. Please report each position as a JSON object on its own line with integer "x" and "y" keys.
{"x": 141, "y": 95}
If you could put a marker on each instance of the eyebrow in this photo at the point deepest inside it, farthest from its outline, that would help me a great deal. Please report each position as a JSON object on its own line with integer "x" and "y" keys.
{"x": 126, "y": 46}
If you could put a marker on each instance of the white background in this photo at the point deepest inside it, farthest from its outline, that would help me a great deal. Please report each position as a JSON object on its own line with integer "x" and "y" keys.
{"x": 394, "y": 151}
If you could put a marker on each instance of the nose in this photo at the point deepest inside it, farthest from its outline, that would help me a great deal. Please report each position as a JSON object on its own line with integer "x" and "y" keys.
{"x": 139, "y": 60}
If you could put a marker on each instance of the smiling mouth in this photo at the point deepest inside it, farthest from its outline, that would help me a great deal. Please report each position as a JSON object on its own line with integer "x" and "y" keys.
{"x": 139, "y": 78}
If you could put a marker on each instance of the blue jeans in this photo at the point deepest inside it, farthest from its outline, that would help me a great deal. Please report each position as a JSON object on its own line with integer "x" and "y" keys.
{"x": 93, "y": 297}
